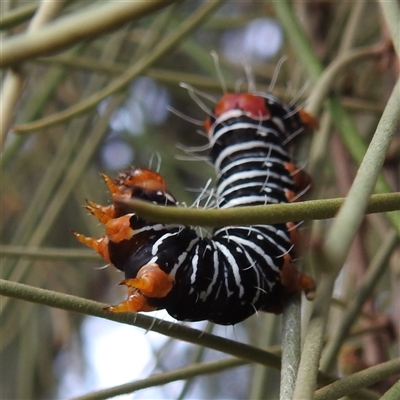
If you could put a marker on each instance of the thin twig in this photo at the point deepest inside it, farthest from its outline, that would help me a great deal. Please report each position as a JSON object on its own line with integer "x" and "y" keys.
{"x": 47, "y": 253}
{"x": 18, "y": 15}
{"x": 338, "y": 242}
{"x": 176, "y": 331}
{"x": 14, "y": 81}
{"x": 374, "y": 273}
{"x": 251, "y": 215}
{"x": 330, "y": 75}
{"x": 92, "y": 22}
{"x": 391, "y": 13}
{"x": 393, "y": 393}
{"x": 291, "y": 339}
{"x": 365, "y": 378}
{"x": 186, "y": 372}
{"x": 139, "y": 67}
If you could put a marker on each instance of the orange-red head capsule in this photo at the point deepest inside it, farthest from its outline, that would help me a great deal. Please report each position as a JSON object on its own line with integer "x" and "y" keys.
{"x": 253, "y": 105}
{"x": 250, "y": 103}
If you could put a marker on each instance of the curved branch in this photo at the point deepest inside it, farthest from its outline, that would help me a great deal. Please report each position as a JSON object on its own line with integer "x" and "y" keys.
{"x": 176, "y": 331}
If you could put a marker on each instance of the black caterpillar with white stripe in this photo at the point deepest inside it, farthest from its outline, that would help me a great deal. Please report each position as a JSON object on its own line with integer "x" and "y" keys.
{"x": 240, "y": 269}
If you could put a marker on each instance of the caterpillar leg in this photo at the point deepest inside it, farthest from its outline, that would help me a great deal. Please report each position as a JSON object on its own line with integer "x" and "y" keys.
{"x": 302, "y": 181}
{"x": 295, "y": 281}
{"x": 295, "y": 238}
{"x": 150, "y": 282}
{"x": 100, "y": 245}
{"x": 308, "y": 120}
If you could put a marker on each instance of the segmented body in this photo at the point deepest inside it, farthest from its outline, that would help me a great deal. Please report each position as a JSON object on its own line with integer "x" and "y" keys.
{"x": 241, "y": 269}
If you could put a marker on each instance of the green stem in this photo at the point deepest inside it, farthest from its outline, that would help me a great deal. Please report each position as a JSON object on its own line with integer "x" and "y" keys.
{"x": 186, "y": 372}
{"x": 47, "y": 253}
{"x": 18, "y": 15}
{"x": 314, "y": 68}
{"x": 63, "y": 33}
{"x": 374, "y": 272}
{"x": 14, "y": 81}
{"x": 358, "y": 380}
{"x": 252, "y": 215}
{"x": 291, "y": 339}
{"x": 393, "y": 393}
{"x": 121, "y": 82}
{"x": 299, "y": 42}
{"x": 349, "y": 218}
{"x": 391, "y": 13}
{"x": 176, "y": 331}
{"x": 339, "y": 239}
{"x": 199, "y": 81}
{"x": 330, "y": 75}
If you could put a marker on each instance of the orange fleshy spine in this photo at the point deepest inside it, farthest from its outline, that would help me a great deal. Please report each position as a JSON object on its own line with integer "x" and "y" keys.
{"x": 112, "y": 186}
{"x": 295, "y": 238}
{"x": 150, "y": 282}
{"x": 98, "y": 212}
{"x": 100, "y": 245}
{"x": 108, "y": 210}
{"x": 136, "y": 302}
{"x": 119, "y": 229}
{"x": 300, "y": 178}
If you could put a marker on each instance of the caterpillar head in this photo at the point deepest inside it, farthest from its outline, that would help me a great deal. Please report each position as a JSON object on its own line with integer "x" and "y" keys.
{"x": 261, "y": 107}
{"x": 252, "y": 105}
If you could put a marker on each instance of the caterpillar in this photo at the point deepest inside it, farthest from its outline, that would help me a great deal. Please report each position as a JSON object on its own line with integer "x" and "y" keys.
{"x": 238, "y": 271}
